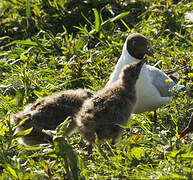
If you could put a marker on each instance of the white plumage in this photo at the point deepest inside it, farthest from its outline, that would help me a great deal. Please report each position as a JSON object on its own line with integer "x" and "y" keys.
{"x": 152, "y": 90}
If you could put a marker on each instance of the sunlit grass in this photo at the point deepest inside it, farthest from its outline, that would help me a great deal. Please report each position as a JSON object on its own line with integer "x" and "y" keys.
{"x": 49, "y": 46}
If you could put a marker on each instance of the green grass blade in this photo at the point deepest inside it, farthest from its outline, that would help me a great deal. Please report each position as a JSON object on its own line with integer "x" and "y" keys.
{"x": 28, "y": 11}
{"x": 120, "y": 16}
{"x": 97, "y": 20}
{"x": 23, "y": 133}
{"x": 24, "y": 42}
{"x": 87, "y": 20}
{"x": 10, "y": 170}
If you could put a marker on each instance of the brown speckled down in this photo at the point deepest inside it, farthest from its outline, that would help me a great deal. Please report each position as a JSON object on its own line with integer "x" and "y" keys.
{"x": 110, "y": 107}
{"x": 48, "y": 112}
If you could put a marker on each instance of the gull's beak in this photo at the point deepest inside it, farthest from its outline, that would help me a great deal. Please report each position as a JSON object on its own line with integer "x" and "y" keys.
{"x": 149, "y": 53}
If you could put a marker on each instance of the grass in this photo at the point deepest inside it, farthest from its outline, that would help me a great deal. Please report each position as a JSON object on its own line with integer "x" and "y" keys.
{"x": 48, "y": 46}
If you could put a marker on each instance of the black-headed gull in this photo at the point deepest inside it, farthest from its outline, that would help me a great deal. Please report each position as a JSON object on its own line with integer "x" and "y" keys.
{"x": 153, "y": 86}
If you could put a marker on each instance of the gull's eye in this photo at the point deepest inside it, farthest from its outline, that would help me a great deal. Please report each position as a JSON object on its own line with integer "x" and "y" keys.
{"x": 134, "y": 43}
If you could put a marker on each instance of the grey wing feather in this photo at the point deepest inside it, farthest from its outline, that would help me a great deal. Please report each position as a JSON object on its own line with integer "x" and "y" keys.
{"x": 159, "y": 81}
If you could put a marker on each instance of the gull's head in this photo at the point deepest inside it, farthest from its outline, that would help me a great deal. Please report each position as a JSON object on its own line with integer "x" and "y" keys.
{"x": 137, "y": 46}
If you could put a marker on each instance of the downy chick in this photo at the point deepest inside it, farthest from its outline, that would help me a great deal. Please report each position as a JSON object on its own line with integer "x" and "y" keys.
{"x": 48, "y": 112}
{"x": 110, "y": 107}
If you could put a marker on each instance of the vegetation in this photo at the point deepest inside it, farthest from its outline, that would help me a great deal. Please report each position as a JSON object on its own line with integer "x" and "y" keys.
{"x": 52, "y": 45}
